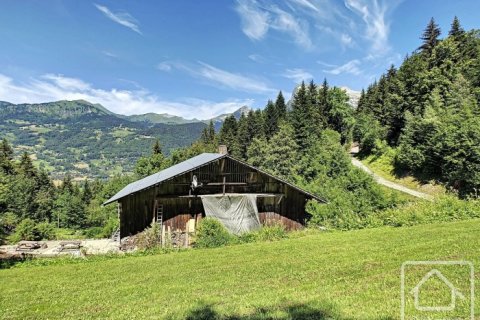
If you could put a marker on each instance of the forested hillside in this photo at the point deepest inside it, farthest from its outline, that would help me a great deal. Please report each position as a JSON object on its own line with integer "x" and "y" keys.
{"x": 84, "y": 139}
{"x": 426, "y": 113}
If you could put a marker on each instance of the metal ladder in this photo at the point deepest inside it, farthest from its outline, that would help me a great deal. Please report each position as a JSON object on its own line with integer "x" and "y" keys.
{"x": 116, "y": 236}
{"x": 159, "y": 215}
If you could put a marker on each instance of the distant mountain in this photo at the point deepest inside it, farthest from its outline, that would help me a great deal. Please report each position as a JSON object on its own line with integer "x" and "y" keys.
{"x": 159, "y": 118}
{"x": 353, "y": 96}
{"x": 218, "y": 121}
{"x": 86, "y": 139}
{"x": 171, "y": 119}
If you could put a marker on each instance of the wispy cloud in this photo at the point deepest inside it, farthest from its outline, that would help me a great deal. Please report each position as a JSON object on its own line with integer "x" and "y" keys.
{"x": 164, "y": 66}
{"x": 232, "y": 80}
{"x": 217, "y": 77}
{"x": 53, "y": 87}
{"x": 297, "y": 75}
{"x": 351, "y": 67}
{"x": 123, "y": 18}
{"x": 346, "y": 40}
{"x": 258, "y": 19}
{"x": 255, "y": 22}
{"x": 256, "y": 57}
{"x": 296, "y": 28}
{"x": 374, "y": 15}
{"x": 307, "y": 4}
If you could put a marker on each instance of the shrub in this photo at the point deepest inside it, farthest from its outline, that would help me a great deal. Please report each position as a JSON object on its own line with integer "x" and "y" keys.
{"x": 271, "y": 233}
{"x": 110, "y": 227}
{"x": 45, "y": 230}
{"x": 94, "y": 232}
{"x": 211, "y": 233}
{"x": 25, "y": 230}
{"x": 149, "y": 238}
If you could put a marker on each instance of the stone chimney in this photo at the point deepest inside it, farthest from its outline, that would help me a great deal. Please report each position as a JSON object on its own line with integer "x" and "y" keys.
{"x": 222, "y": 149}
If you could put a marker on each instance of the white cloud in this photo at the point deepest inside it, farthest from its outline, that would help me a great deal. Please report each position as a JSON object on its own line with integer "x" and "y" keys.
{"x": 123, "y": 18}
{"x": 255, "y": 22}
{"x": 218, "y": 77}
{"x": 298, "y": 29}
{"x": 164, "y": 66}
{"x": 349, "y": 67}
{"x": 307, "y": 4}
{"x": 231, "y": 80}
{"x": 346, "y": 40}
{"x": 51, "y": 87}
{"x": 256, "y": 58}
{"x": 297, "y": 75}
{"x": 374, "y": 15}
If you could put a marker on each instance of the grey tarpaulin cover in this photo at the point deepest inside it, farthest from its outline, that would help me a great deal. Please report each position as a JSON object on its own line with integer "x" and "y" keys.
{"x": 237, "y": 212}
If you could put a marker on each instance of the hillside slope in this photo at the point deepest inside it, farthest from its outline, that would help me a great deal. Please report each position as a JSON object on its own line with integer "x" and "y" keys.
{"x": 341, "y": 275}
{"x": 86, "y": 139}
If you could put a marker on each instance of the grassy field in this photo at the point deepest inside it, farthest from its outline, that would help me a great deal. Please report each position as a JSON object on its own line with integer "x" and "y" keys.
{"x": 337, "y": 275}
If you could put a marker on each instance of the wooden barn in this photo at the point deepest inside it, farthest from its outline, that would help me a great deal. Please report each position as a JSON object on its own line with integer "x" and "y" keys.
{"x": 211, "y": 184}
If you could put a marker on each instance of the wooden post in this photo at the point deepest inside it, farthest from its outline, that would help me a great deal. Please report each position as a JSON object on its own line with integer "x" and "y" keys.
{"x": 187, "y": 232}
{"x": 224, "y": 184}
{"x": 163, "y": 236}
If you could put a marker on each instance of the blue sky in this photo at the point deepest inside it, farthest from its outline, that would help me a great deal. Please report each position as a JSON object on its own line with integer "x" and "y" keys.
{"x": 198, "y": 59}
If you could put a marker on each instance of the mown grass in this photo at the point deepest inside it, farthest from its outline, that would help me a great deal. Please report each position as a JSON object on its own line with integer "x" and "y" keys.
{"x": 337, "y": 275}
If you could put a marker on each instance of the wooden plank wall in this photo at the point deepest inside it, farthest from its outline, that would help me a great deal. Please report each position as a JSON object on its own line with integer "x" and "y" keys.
{"x": 137, "y": 211}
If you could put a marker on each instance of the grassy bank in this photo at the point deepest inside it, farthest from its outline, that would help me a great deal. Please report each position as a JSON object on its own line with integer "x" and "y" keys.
{"x": 383, "y": 166}
{"x": 342, "y": 275}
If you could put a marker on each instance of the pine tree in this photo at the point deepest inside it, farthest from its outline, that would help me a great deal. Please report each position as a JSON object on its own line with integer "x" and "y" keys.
{"x": 26, "y": 166}
{"x": 271, "y": 118}
{"x": 299, "y": 117}
{"x": 6, "y": 157}
{"x": 6, "y": 150}
{"x": 228, "y": 133}
{"x": 430, "y": 37}
{"x": 211, "y": 132}
{"x": 315, "y": 110}
{"x": 279, "y": 156}
{"x": 323, "y": 103}
{"x": 243, "y": 137}
{"x": 87, "y": 194}
{"x": 258, "y": 124}
{"x": 280, "y": 106}
{"x": 157, "y": 149}
{"x": 67, "y": 184}
{"x": 456, "y": 30}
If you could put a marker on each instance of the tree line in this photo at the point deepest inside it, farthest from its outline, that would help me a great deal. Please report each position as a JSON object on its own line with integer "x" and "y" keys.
{"x": 427, "y": 111}
{"x": 32, "y": 207}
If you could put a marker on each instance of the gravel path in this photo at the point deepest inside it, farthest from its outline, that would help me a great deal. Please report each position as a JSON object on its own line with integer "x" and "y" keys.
{"x": 389, "y": 184}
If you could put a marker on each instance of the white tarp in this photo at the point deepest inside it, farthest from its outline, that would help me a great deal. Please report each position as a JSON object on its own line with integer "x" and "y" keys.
{"x": 237, "y": 212}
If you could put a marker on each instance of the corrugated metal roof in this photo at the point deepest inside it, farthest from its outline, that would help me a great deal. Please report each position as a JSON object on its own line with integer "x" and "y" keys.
{"x": 169, "y": 173}
{"x": 186, "y": 166}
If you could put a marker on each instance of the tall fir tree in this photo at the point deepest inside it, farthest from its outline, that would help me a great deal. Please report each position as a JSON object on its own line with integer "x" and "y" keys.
{"x": 6, "y": 157}
{"x": 271, "y": 118}
{"x": 26, "y": 166}
{"x": 299, "y": 117}
{"x": 430, "y": 37}
{"x": 280, "y": 106}
{"x": 228, "y": 133}
{"x": 243, "y": 136}
{"x": 157, "y": 149}
{"x": 456, "y": 29}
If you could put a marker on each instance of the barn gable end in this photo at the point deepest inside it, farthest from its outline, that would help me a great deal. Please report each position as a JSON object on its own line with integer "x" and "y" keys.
{"x": 168, "y": 195}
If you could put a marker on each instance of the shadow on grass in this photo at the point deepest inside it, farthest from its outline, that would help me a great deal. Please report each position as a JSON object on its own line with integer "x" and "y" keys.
{"x": 291, "y": 312}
